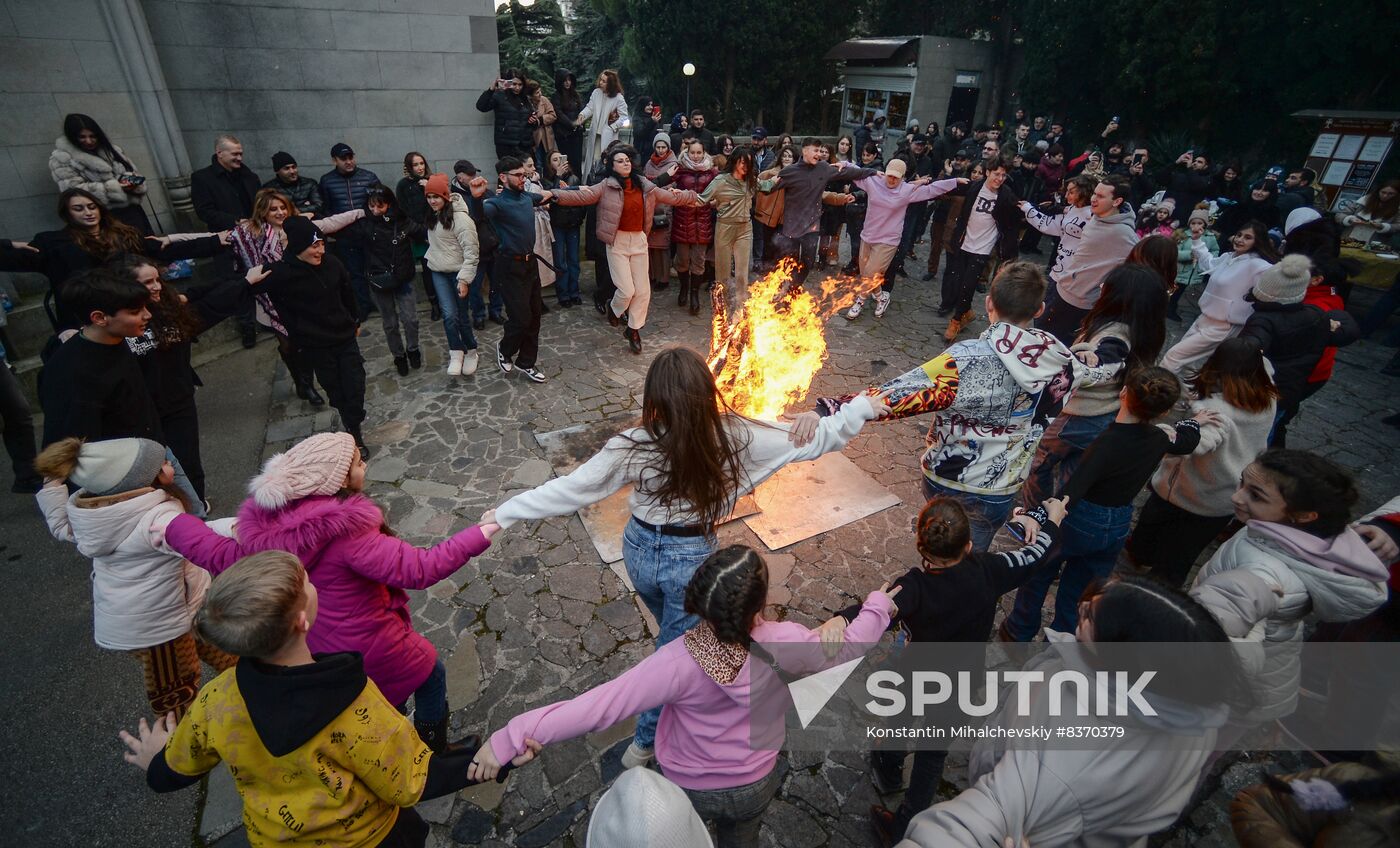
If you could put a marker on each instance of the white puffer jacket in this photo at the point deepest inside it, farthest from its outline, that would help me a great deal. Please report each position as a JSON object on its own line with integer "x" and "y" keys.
{"x": 71, "y": 167}
{"x": 143, "y": 592}
{"x": 454, "y": 251}
{"x": 1336, "y": 579}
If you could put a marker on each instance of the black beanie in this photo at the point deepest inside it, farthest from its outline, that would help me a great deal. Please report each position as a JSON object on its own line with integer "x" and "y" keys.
{"x": 301, "y": 234}
{"x": 282, "y": 159}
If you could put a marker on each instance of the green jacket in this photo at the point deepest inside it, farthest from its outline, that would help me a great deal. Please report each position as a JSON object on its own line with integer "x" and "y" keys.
{"x": 1188, "y": 273}
{"x": 732, "y": 198}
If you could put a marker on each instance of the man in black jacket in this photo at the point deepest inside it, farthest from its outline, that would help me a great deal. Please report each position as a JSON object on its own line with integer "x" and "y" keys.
{"x": 697, "y": 130}
{"x": 223, "y": 194}
{"x": 515, "y": 116}
{"x": 344, "y": 189}
{"x": 316, "y": 303}
{"x": 987, "y": 226}
{"x": 304, "y": 192}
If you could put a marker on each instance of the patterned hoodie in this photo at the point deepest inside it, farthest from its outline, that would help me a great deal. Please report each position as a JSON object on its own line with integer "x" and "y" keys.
{"x": 993, "y": 397}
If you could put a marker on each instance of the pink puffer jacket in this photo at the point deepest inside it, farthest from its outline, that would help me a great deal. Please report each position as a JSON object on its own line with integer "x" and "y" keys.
{"x": 359, "y": 571}
{"x": 608, "y": 196}
{"x": 694, "y": 224}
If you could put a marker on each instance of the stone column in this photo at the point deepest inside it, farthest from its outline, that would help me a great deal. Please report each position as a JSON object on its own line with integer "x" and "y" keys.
{"x": 136, "y": 53}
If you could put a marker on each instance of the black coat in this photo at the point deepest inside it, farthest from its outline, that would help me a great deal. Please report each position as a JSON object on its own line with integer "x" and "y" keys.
{"x": 413, "y": 201}
{"x": 1293, "y": 337}
{"x": 1006, "y": 213}
{"x": 388, "y": 243}
{"x": 1186, "y": 187}
{"x": 60, "y": 257}
{"x": 223, "y": 198}
{"x": 315, "y": 302}
{"x": 513, "y": 111}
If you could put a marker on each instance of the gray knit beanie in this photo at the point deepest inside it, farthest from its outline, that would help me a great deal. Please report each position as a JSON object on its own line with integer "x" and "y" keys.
{"x": 1286, "y": 282}
{"x": 114, "y": 466}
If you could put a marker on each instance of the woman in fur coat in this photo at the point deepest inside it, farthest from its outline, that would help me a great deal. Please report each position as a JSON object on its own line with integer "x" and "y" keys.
{"x": 83, "y": 157}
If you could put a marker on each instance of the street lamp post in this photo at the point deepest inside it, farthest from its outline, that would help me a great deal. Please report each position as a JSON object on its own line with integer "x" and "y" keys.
{"x": 689, "y": 70}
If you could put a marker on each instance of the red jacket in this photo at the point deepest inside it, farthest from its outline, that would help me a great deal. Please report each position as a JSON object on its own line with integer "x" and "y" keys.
{"x": 694, "y": 224}
{"x": 1324, "y": 297}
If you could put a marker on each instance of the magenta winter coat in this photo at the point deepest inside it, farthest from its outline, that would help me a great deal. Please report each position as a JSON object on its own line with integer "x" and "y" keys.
{"x": 359, "y": 571}
{"x": 694, "y": 224}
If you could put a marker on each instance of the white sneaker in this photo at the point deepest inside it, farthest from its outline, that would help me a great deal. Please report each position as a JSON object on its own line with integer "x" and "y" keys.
{"x": 882, "y": 302}
{"x": 454, "y": 363}
{"x": 854, "y": 312}
{"x": 635, "y": 757}
{"x": 469, "y": 362}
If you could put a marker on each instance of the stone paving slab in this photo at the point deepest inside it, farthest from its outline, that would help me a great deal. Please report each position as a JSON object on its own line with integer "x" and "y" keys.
{"x": 539, "y": 616}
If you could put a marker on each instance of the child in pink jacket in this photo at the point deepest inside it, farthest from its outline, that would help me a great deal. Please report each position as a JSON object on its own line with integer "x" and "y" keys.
{"x": 309, "y": 502}
{"x": 708, "y": 687}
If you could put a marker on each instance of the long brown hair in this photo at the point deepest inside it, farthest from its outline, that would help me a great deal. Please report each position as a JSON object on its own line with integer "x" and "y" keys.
{"x": 113, "y": 237}
{"x": 613, "y": 84}
{"x": 1236, "y": 372}
{"x": 1157, "y": 252}
{"x": 695, "y": 457}
{"x": 1380, "y": 210}
{"x": 262, "y": 204}
{"x": 172, "y": 320}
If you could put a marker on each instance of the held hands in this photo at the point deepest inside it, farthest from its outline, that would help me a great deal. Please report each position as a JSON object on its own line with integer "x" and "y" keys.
{"x": 164, "y": 241}
{"x": 224, "y": 236}
{"x": 485, "y": 767}
{"x": 257, "y": 274}
{"x": 832, "y": 633}
{"x": 1056, "y": 509}
{"x": 1380, "y": 542}
{"x": 963, "y": 180}
{"x": 148, "y": 741}
{"x": 1208, "y": 417}
{"x": 1030, "y": 528}
{"x": 804, "y": 428}
{"x": 488, "y": 524}
{"x": 880, "y": 400}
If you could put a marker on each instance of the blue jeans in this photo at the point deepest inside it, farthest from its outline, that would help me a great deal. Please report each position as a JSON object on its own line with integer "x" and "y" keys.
{"x": 454, "y": 313}
{"x": 1059, "y": 453}
{"x": 566, "y": 263}
{"x": 430, "y": 698}
{"x": 661, "y": 567}
{"x": 498, "y": 305}
{"x": 985, "y": 513}
{"x": 1090, "y": 540}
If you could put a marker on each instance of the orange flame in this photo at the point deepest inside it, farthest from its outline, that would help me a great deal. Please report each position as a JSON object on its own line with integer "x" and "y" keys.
{"x": 765, "y": 355}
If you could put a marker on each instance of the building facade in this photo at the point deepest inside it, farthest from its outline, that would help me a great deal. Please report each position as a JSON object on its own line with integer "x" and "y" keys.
{"x": 165, "y": 78}
{"x": 917, "y": 78}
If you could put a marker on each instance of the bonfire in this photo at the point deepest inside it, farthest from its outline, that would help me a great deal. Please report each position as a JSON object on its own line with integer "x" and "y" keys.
{"x": 765, "y": 353}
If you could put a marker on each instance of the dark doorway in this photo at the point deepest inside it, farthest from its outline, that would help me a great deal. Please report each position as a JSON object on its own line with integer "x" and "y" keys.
{"x": 962, "y": 105}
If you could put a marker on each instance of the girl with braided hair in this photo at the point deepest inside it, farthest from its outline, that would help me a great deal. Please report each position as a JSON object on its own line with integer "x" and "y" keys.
{"x": 709, "y": 689}
{"x": 687, "y": 463}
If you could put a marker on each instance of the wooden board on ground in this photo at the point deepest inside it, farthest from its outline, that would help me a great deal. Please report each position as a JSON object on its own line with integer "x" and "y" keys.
{"x": 809, "y": 498}
{"x": 569, "y": 448}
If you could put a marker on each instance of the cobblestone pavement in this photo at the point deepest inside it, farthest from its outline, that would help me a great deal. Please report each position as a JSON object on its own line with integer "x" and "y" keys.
{"x": 539, "y": 617}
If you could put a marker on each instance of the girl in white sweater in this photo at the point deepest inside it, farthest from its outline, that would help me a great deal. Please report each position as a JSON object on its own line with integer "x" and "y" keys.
{"x": 1189, "y": 499}
{"x": 452, "y": 258}
{"x": 1224, "y": 309}
{"x": 144, "y": 593}
{"x": 687, "y": 463}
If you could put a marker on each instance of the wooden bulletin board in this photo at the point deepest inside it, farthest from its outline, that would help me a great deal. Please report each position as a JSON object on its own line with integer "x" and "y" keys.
{"x": 1349, "y": 153}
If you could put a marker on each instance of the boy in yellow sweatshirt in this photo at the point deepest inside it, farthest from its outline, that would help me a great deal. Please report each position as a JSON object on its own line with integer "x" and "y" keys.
{"x": 317, "y": 753}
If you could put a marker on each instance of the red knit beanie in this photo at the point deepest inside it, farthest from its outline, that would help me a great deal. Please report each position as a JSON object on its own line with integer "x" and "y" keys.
{"x": 438, "y": 184}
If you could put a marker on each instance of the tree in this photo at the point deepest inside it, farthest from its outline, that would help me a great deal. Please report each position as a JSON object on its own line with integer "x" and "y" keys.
{"x": 594, "y": 42}
{"x": 524, "y": 34}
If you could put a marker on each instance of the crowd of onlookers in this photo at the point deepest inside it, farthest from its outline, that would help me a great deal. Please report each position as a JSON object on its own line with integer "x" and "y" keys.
{"x": 1048, "y": 425}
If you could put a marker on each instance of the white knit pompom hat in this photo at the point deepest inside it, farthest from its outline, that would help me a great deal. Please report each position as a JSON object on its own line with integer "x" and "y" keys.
{"x": 642, "y": 809}
{"x": 317, "y": 465}
{"x": 1285, "y": 282}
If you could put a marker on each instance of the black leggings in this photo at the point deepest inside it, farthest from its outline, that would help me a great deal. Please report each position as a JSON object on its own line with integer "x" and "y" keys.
{"x": 1169, "y": 539}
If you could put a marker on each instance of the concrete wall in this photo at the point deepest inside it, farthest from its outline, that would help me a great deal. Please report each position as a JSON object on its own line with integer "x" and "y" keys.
{"x": 56, "y": 58}
{"x": 384, "y": 76}
{"x": 940, "y": 59}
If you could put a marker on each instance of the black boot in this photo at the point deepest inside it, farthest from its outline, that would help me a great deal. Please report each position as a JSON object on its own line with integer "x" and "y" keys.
{"x": 634, "y": 340}
{"x": 684, "y": 291}
{"x": 694, "y": 299}
{"x": 307, "y": 392}
{"x": 302, "y": 378}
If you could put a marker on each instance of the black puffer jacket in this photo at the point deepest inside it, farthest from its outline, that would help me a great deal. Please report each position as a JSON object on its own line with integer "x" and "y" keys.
{"x": 513, "y": 111}
{"x": 388, "y": 241}
{"x": 1292, "y": 336}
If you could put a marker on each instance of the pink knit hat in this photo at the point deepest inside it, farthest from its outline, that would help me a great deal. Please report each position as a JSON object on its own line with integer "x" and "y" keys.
{"x": 317, "y": 465}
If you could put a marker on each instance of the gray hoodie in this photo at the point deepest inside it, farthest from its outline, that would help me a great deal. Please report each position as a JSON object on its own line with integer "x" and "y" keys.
{"x": 1104, "y": 245}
